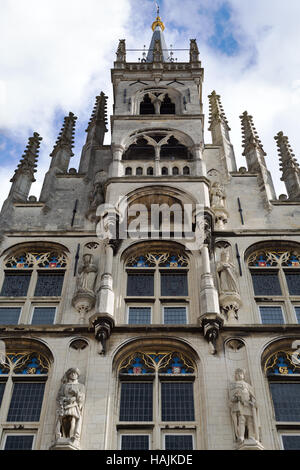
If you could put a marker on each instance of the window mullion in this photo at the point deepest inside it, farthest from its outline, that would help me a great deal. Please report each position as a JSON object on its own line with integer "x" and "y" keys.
{"x": 6, "y": 399}
{"x": 156, "y": 413}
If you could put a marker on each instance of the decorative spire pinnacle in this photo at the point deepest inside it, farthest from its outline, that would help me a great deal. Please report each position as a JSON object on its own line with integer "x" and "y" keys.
{"x": 289, "y": 167}
{"x": 287, "y": 157}
{"x": 66, "y": 136}
{"x": 216, "y": 111}
{"x": 99, "y": 114}
{"x": 249, "y": 134}
{"x": 28, "y": 162}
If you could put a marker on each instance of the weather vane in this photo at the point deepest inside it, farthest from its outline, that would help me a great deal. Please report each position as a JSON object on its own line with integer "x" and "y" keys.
{"x": 157, "y": 8}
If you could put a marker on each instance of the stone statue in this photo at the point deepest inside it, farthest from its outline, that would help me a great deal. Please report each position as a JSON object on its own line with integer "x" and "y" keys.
{"x": 70, "y": 401}
{"x": 87, "y": 274}
{"x": 96, "y": 196}
{"x": 243, "y": 409}
{"x": 227, "y": 274}
{"x": 121, "y": 52}
{"x": 217, "y": 196}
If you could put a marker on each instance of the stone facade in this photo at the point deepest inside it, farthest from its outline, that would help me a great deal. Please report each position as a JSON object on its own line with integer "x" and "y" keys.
{"x": 231, "y": 317}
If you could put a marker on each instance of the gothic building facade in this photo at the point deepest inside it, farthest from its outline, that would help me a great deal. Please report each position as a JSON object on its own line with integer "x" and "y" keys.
{"x": 121, "y": 330}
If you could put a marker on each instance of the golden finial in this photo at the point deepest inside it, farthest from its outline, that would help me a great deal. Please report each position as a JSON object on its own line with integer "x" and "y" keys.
{"x": 158, "y": 21}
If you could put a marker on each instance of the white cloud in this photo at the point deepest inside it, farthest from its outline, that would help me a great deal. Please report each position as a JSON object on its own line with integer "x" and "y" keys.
{"x": 59, "y": 54}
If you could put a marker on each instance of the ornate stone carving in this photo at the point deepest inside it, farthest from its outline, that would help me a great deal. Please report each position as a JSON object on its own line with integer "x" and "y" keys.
{"x": 218, "y": 198}
{"x": 96, "y": 196}
{"x": 84, "y": 298}
{"x": 87, "y": 274}
{"x": 230, "y": 300}
{"x": 194, "y": 51}
{"x": 102, "y": 326}
{"x": 211, "y": 326}
{"x": 244, "y": 412}
{"x": 70, "y": 402}
{"x": 121, "y": 51}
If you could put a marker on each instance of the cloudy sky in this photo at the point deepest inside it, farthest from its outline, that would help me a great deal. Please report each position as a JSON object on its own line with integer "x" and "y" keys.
{"x": 56, "y": 55}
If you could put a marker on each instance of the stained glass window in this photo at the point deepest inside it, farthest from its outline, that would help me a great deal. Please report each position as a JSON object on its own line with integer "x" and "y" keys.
{"x": 266, "y": 283}
{"x": 139, "y": 316}
{"x": 178, "y": 442}
{"x": 286, "y": 399}
{"x": 175, "y": 315}
{"x": 293, "y": 282}
{"x": 9, "y": 315}
{"x": 20, "y": 442}
{"x": 174, "y": 284}
{"x": 135, "y": 442}
{"x": 136, "y": 402}
{"x": 141, "y": 284}
{"x": 43, "y": 315}
{"x": 177, "y": 401}
{"x": 291, "y": 442}
{"x": 49, "y": 284}
{"x": 2, "y": 388}
{"x": 15, "y": 285}
{"x": 297, "y": 311}
{"x": 26, "y": 402}
{"x": 271, "y": 315}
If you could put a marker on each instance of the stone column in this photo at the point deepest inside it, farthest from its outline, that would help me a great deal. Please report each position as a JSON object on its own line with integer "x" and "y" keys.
{"x": 199, "y": 163}
{"x": 103, "y": 322}
{"x": 117, "y": 168}
{"x": 157, "y": 169}
{"x": 210, "y": 318}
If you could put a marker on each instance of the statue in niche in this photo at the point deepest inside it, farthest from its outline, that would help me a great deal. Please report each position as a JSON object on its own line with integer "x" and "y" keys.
{"x": 217, "y": 196}
{"x": 70, "y": 401}
{"x": 243, "y": 407}
{"x": 227, "y": 274}
{"x": 87, "y": 274}
{"x": 96, "y": 196}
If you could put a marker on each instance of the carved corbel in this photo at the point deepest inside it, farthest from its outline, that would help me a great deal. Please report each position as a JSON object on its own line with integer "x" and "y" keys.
{"x": 102, "y": 326}
{"x": 211, "y": 327}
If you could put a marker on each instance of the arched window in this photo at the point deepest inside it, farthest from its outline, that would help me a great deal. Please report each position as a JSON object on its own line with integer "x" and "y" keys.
{"x": 32, "y": 286}
{"x": 157, "y": 389}
{"x": 275, "y": 272}
{"x": 282, "y": 369}
{"x": 150, "y": 171}
{"x": 175, "y": 171}
{"x": 154, "y": 280}
{"x": 140, "y": 150}
{"x": 128, "y": 171}
{"x": 186, "y": 170}
{"x": 23, "y": 376}
{"x": 139, "y": 171}
{"x": 167, "y": 107}
{"x": 164, "y": 171}
{"x": 146, "y": 106}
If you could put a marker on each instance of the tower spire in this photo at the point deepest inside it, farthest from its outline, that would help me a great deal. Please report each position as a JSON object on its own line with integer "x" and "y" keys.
{"x": 96, "y": 130}
{"x": 216, "y": 112}
{"x": 289, "y": 167}
{"x": 97, "y": 126}
{"x": 24, "y": 174}
{"x": 60, "y": 156}
{"x": 255, "y": 156}
{"x": 65, "y": 141}
{"x": 219, "y": 128}
{"x": 158, "y": 43}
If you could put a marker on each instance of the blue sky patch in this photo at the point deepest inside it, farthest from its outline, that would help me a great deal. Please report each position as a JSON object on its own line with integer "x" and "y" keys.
{"x": 223, "y": 38}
